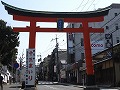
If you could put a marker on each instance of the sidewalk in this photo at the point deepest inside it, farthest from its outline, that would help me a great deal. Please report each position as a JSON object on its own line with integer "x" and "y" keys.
{"x": 12, "y": 87}
{"x": 102, "y": 87}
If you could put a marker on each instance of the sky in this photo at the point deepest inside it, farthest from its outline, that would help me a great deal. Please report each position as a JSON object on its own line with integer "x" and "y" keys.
{"x": 45, "y": 42}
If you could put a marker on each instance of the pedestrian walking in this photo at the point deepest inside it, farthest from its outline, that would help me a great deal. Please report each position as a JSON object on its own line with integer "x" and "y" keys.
{"x": 1, "y": 82}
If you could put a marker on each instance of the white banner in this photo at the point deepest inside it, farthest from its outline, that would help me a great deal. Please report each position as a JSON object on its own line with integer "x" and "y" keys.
{"x": 30, "y": 66}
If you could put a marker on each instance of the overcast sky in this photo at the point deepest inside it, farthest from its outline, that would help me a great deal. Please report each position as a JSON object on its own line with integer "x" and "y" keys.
{"x": 44, "y": 45}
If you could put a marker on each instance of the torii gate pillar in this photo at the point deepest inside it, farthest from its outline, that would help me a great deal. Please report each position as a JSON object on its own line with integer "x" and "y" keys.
{"x": 90, "y": 79}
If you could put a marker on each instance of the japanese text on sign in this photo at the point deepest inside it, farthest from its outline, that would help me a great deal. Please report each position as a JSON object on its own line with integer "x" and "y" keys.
{"x": 30, "y": 66}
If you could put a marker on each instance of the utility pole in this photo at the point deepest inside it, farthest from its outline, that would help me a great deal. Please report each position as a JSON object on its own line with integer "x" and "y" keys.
{"x": 57, "y": 58}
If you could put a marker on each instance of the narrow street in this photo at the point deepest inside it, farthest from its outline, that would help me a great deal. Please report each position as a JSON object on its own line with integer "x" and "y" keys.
{"x": 56, "y": 86}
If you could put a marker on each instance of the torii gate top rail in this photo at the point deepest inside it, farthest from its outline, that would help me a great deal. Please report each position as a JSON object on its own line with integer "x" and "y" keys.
{"x": 23, "y": 12}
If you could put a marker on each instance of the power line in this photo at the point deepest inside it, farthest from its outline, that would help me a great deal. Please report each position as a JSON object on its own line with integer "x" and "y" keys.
{"x": 79, "y": 5}
{"x": 48, "y": 45}
{"x": 47, "y": 50}
{"x": 61, "y": 36}
{"x": 63, "y": 44}
{"x": 85, "y": 5}
{"x": 91, "y": 4}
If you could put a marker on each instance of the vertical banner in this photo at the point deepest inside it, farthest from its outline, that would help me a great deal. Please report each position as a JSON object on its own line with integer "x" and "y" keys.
{"x": 108, "y": 39}
{"x": 30, "y": 67}
{"x": 109, "y": 44}
{"x": 70, "y": 37}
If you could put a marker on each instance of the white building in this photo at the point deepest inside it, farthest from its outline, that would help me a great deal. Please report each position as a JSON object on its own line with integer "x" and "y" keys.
{"x": 111, "y": 25}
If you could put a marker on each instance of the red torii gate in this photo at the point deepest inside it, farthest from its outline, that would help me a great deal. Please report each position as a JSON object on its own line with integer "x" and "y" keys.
{"x": 83, "y": 17}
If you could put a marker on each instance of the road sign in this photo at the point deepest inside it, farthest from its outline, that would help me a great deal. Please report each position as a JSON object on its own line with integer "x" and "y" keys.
{"x": 60, "y": 24}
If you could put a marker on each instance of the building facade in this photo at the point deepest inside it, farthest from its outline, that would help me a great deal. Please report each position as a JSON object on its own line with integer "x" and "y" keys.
{"x": 99, "y": 43}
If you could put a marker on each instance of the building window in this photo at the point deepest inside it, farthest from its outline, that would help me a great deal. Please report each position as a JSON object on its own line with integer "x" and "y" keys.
{"x": 80, "y": 25}
{"x": 82, "y": 42}
{"x": 116, "y": 14}
{"x": 72, "y": 25}
{"x": 117, "y": 39}
{"x": 107, "y": 27}
{"x": 116, "y": 26}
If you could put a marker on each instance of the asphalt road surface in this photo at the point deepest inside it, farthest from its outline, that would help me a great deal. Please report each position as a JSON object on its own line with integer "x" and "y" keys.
{"x": 56, "y": 86}
{"x": 45, "y": 85}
